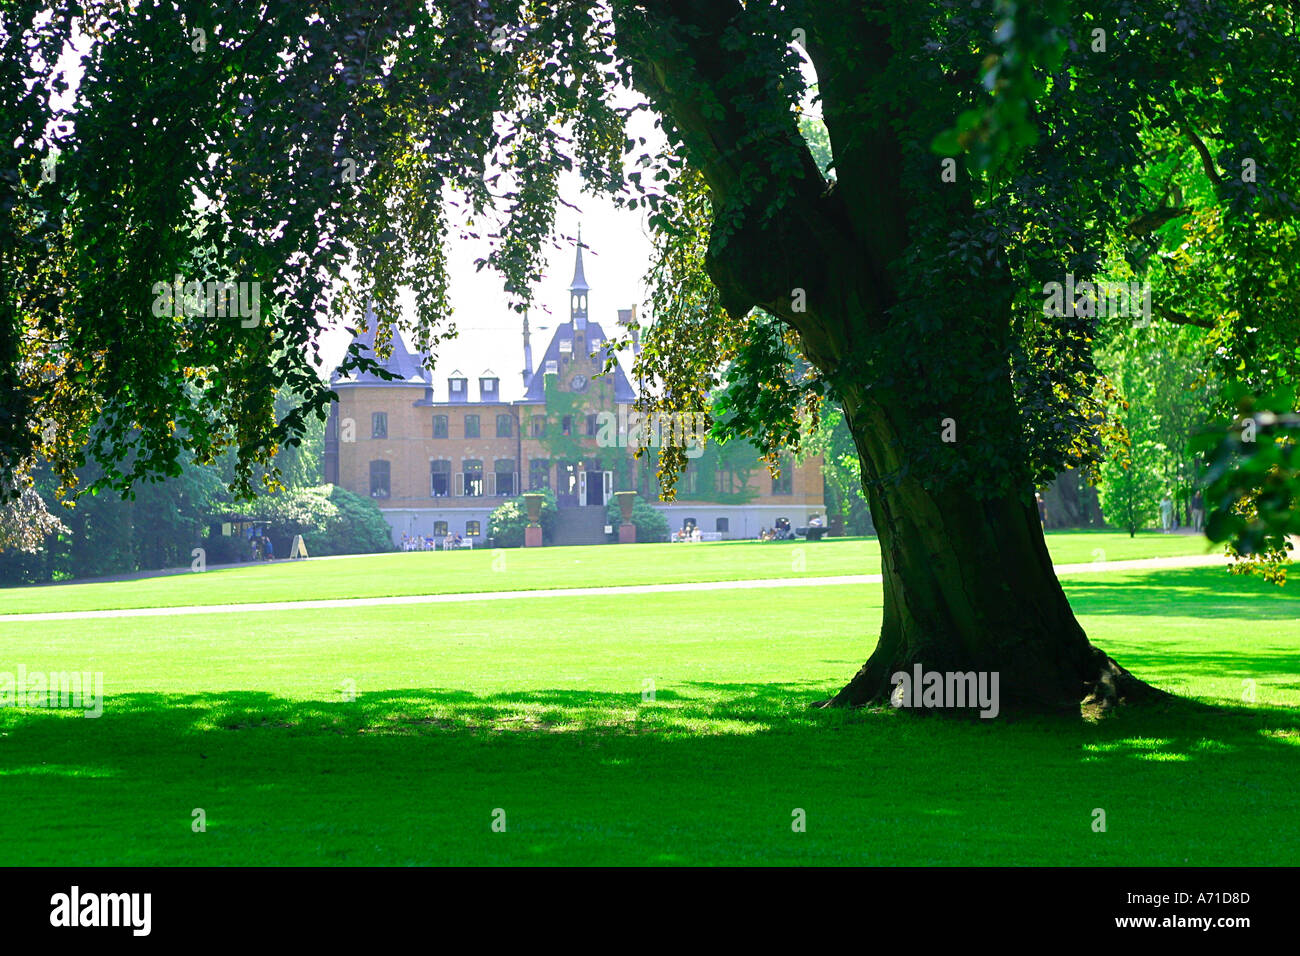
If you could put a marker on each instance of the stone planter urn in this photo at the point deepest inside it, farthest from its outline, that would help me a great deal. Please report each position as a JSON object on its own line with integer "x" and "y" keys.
{"x": 626, "y": 530}
{"x": 533, "y": 531}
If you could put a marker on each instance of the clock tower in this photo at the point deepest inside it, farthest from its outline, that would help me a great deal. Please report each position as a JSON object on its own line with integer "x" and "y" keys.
{"x": 578, "y": 289}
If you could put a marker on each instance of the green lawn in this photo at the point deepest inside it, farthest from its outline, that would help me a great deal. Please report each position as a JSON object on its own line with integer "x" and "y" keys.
{"x": 535, "y": 707}
{"x": 382, "y": 575}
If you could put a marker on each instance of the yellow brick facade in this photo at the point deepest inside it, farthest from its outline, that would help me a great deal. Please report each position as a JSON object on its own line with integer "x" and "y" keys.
{"x": 564, "y": 421}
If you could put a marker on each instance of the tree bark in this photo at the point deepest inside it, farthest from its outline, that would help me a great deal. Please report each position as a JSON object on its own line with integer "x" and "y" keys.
{"x": 969, "y": 586}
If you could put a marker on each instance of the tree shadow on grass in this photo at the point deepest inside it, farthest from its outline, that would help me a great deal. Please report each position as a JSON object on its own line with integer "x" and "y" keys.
{"x": 704, "y": 772}
{"x": 695, "y": 713}
{"x": 1273, "y": 666}
{"x": 1182, "y": 592}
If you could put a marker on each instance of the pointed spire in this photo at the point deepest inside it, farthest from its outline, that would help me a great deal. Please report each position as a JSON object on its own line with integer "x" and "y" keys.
{"x": 579, "y": 283}
{"x": 578, "y": 292}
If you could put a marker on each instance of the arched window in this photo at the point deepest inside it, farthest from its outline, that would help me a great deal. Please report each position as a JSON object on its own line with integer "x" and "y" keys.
{"x": 473, "y": 469}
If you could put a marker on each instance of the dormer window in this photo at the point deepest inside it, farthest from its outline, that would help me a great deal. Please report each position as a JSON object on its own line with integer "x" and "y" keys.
{"x": 457, "y": 388}
{"x": 487, "y": 389}
{"x": 566, "y": 347}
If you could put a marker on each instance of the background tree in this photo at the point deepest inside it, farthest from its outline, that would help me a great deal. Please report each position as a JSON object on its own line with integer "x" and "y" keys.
{"x": 1162, "y": 378}
{"x": 1131, "y": 487}
{"x": 841, "y": 472}
{"x": 331, "y": 519}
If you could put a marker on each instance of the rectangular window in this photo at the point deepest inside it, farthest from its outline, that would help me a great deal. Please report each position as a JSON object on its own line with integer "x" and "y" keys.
{"x": 439, "y": 479}
{"x": 505, "y": 426}
{"x": 722, "y": 524}
{"x": 379, "y": 425}
{"x": 379, "y": 479}
{"x": 688, "y": 480}
{"x": 439, "y": 426}
{"x": 539, "y": 474}
{"x": 473, "y": 469}
{"x": 539, "y": 426}
{"x": 471, "y": 426}
{"x": 471, "y": 529}
{"x": 566, "y": 425}
{"x": 592, "y": 427}
{"x": 504, "y": 469}
{"x": 783, "y": 484}
{"x": 440, "y": 529}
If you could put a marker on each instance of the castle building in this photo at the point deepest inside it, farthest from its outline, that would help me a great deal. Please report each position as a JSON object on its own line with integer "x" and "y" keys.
{"x": 438, "y": 451}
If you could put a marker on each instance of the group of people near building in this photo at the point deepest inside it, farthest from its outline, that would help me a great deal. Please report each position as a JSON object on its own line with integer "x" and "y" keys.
{"x": 427, "y": 542}
{"x": 782, "y": 531}
{"x": 260, "y": 547}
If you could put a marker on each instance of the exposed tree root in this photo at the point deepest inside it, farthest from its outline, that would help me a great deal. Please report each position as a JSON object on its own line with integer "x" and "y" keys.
{"x": 1102, "y": 686}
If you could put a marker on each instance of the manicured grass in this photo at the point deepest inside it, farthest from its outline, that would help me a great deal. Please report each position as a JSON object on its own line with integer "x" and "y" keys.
{"x": 380, "y": 575}
{"x": 535, "y": 706}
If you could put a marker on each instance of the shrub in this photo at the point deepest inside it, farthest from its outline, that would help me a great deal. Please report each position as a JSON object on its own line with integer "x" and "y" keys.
{"x": 506, "y": 524}
{"x": 651, "y": 525}
{"x": 360, "y": 527}
{"x": 331, "y": 520}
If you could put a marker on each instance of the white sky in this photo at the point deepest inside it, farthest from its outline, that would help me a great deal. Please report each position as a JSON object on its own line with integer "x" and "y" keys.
{"x": 615, "y": 259}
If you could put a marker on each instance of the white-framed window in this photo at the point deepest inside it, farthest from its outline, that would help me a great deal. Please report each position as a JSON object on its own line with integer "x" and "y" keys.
{"x": 472, "y": 469}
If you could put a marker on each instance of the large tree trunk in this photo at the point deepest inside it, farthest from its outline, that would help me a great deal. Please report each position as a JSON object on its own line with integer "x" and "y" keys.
{"x": 904, "y": 305}
{"x": 969, "y": 586}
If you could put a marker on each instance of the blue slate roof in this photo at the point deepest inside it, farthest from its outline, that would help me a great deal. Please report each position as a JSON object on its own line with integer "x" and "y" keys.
{"x": 536, "y": 392}
{"x": 404, "y": 363}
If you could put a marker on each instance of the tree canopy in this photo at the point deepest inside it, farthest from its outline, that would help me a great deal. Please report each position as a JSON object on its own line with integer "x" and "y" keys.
{"x": 328, "y": 153}
{"x": 919, "y": 211}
